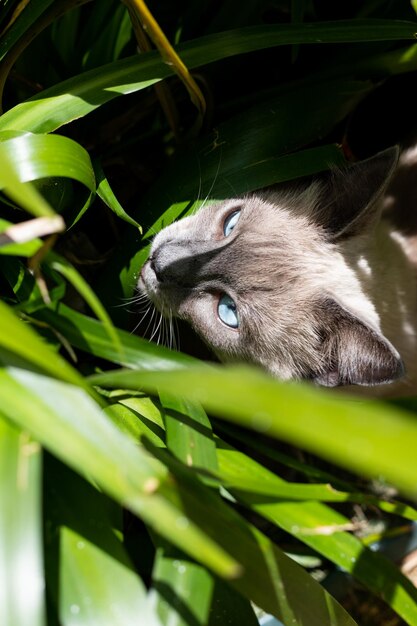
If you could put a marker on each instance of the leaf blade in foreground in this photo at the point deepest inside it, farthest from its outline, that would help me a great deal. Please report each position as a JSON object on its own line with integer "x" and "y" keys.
{"x": 357, "y": 435}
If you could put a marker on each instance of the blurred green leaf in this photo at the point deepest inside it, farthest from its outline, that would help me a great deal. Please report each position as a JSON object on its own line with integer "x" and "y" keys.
{"x": 69, "y": 424}
{"x": 188, "y": 433}
{"x": 368, "y": 437}
{"x": 186, "y": 594}
{"x": 315, "y": 524}
{"x": 19, "y": 341}
{"x": 22, "y": 601}
{"x": 182, "y": 589}
{"x": 97, "y": 581}
{"x": 236, "y": 475}
{"x": 260, "y": 581}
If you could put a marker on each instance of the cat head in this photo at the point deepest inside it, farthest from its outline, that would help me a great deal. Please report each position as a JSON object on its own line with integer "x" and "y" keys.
{"x": 268, "y": 278}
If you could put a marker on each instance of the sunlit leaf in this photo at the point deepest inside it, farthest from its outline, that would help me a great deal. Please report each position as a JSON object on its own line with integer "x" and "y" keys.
{"x": 359, "y": 438}
{"x": 21, "y": 563}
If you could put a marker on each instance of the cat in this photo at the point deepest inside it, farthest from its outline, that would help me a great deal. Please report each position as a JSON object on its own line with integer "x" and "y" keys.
{"x": 309, "y": 280}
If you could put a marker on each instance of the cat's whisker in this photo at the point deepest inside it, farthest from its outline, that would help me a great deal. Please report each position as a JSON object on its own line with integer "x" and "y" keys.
{"x": 214, "y": 181}
{"x": 168, "y": 341}
{"x": 176, "y": 335}
{"x": 161, "y": 317}
{"x": 151, "y": 320}
{"x": 171, "y": 332}
{"x": 200, "y": 178}
{"x": 136, "y": 298}
{"x": 143, "y": 317}
{"x": 161, "y": 332}
{"x": 165, "y": 337}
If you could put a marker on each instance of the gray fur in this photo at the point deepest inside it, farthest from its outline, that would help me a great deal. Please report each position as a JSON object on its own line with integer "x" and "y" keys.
{"x": 317, "y": 275}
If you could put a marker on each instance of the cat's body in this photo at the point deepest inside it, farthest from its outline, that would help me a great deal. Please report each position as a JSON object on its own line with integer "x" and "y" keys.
{"x": 310, "y": 281}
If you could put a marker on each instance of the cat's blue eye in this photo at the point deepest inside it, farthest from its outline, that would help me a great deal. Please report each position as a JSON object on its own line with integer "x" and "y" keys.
{"x": 227, "y": 311}
{"x": 230, "y": 222}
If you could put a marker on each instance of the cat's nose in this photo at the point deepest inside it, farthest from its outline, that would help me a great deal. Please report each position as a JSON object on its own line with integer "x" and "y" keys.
{"x": 157, "y": 267}
{"x": 171, "y": 263}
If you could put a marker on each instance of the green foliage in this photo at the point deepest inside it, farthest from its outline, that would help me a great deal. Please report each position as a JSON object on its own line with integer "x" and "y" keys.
{"x": 126, "y": 494}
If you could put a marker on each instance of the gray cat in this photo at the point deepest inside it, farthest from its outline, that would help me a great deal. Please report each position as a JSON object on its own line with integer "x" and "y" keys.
{"x": 308, "y": 280}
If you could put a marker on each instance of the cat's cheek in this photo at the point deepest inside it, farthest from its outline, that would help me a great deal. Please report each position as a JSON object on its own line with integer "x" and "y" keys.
{"x": 201, "y": 314}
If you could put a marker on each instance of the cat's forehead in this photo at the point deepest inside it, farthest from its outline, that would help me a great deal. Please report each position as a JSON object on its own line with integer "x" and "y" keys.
{"x": 287, "y": 212}
{"x": 272, "y": 244}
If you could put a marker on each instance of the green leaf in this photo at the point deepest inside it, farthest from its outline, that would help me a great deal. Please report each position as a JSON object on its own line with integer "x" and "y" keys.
{"x": 78, "y": 96}
{"x": 261, "y": 581}
{"x": 105, "y": 192}
{"x": 188, "y": 433}
{"x": 21, "y": 563}
{"x": 41, "y": 156}
{"x": 182, "y": 589}
{"x": 237, "y": 476}
{"x": 69, "y": 424}
{"x": 129, "y": 412}
{"x": 317, "y": 526}
{"x": 314, "y": 524}
{"x": 97, "y": 582}
{"x": 18, "y": 339}
{"x": 229, "y": 606}
{"x": 62, "y": 266}
{"x": 367, "y": 437}
{"x": 114, "y": 34}
{"x": 23, "y": 194}
{"x": 185, "y": 594}
{"x": 269, "y": 578}
{"x": 32, "y": 11}
{"x": 89, "y": 335}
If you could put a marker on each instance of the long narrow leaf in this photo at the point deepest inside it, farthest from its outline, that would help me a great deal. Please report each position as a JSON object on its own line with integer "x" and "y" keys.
{"x": 105, "y": 192}
{"x": 62, "y": 266}
{"x": 315, "y": 524}
{"x": 23, "y": 194}
{"x": 355, "y": 435}
{"x": 19, "y": 339}
{"x": 97, "y": 581}
{"x": 40, "y": 156}
{"x": 21, "y": 562}
{"x": 89, "y": 335}
{"x": 69, "y": 423}
{"x": 78, "y": 96}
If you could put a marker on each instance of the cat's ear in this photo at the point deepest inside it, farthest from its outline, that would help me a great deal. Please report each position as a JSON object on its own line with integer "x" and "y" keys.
{"x": 350, "y": 196}
{"x": 352, "y": 352}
